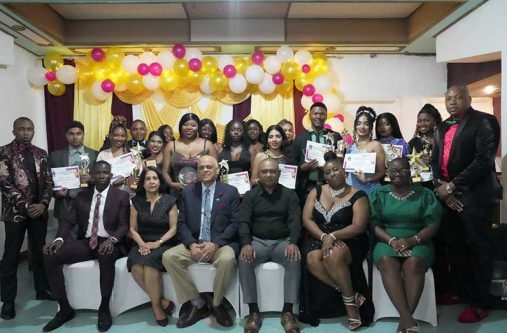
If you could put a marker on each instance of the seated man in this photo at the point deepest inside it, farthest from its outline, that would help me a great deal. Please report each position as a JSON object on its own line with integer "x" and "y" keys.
{"x": 209, "y": 235}
{"x": 102, "y": 217}
{"x": 270, "y": 225}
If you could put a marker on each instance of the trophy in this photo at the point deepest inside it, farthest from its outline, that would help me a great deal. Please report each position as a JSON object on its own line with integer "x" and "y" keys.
{"x": 138, "y": 165}
{"x": 416, "y": 165}
{"x": 223, "y": 168}
{"x": 83, "y": 167}
{"x": 340, "y": 148}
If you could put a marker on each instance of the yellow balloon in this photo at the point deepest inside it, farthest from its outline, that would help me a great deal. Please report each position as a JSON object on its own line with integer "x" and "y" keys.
{"x": 290, "y": 70}
{"x": 195, "y": 78}
{"x": 114, "y": 56}
{"x": 319, "y": 66}
{"x": 241, "y": 65}
{"x": 252, "y": 88}
{"x": 56, "y": 88}
{"x": 120, "y": 78}
{"x": 53, "y": 60}
{"x": 319, "y": 55}
{"x": 209, "y": 64}
{"x": 86, "y": 75}
{"x": 135, "y": 84}
{"x": 218, "y": 81}
{"x": 181, "y": 67}
{"x": 284, "y": 88}
{"x": 301, "y": 81}
{"x": 100, "y": 71}
{"x": 169, "y": 80}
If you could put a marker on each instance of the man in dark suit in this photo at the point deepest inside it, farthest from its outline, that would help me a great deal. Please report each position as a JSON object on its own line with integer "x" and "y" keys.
{"x": 463, "y": 164}
{"x": 208, "y": 222}
{"x": 138, "y": 132}
{"x": 26, "y": 183}
{"x": 74, "y": 154}
{"x": 102, "y": 217}
{"x": 309, "y": 173}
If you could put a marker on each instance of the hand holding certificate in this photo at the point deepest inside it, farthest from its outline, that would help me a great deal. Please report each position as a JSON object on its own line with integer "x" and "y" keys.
{"x": 364, "y": 162}
{"x": 288, "y": 175}
{"x": 66, "y": 177}
{"x": 123, "y": 165}
{"x": 316, "y": 151}
{"x": 239, "y": 180}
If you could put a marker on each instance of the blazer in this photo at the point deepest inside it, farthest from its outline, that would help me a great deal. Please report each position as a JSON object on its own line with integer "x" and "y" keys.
{"x": 15, "y": 182}
{"x": 471, "y": 164}
{"x": 116, "y": 214}
{"x": 58, "y": 159}
{"x": 224, "y": 215}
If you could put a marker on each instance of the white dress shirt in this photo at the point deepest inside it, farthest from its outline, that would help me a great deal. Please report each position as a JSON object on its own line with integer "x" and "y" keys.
{"x": 102, "y": 231}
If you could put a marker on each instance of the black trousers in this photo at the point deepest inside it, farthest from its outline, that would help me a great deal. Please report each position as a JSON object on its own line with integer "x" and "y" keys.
{"x": 463, "y": 261}
{"x": 14, "y": 237}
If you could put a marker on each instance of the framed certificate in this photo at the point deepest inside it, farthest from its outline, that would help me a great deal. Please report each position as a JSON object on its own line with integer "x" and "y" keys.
{"x": 240, "y": 180}
{"x": 66, "y": 177}
{"x": 123, "y": 165}
{"x": 288, "y": 175}
{"x": 316, "y": 151}
{"x": 364, "y": 162}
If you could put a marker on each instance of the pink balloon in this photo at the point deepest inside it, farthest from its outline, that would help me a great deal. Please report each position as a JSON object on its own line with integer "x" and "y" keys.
{"x": 98, "y": 54}
{"x": 156, "y": 69}
{"x": 230, "y": 71}
{"x": 107, "y": 86}
{"x": 143, "y": 69}
{"x": 194, "y": 64}
{"x": 317, "y": 98}
{"x": 306, "y": 68}
{"x": 50, "y": 76}
{"x": 278, "y": 78}
{"x": 257, "y": 57}
{"x": 309, "y": 90}
{"x": 179, "y": 51}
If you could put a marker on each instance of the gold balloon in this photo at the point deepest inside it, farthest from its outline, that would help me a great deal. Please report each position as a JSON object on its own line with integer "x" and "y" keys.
{"x": 85, "y": 74}
{"x": 181, "y": 67}
{"x": 241, "y": 64}
{"x": 218, "y": 81}
{"x": 290, "y": 70}
{"x": 319, "y": 66}
{"x": 56, "y": 88}
{"x": 301, "y": 81}
{"x": 319, "y": 55}
{"x": 135, "y": 84}
{"x": 114, "y": 56}
{"x": 209, "y": 64}
{"x": 120, "y": 78}
{"x": 252, "y": 88}
{"x": 284, "y": 88}
{"x": 53, "y": 60}
{"x": 100, "y": 71}
{"x": 168, "y": 80}
{"x": 195, "y": 78}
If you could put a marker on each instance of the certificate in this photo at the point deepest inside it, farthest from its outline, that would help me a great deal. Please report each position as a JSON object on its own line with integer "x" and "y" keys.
{"x": 392, "y": 151}
{"x": 123, "y": 165}
{"x": 66, "y": 177}
{"x": 288, "y": 175}
{"x": 316, "y": 151}
{"x": 239, "y": 180}
{"x": 364, "y": 162}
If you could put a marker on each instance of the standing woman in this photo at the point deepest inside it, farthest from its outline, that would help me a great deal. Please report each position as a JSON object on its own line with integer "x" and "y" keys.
{"x": 364, "y": 143}
{"x": 255, "y": 135}
{"x": 155, "y": 150}
{"x": 427, "y": 119}
{"x": 288, "y": 128}
{"x": 181, "y": 156}
{"x": 237, "y": 150}
{"x": 153, "y": 221}
{"x": 387, "y": 131}
{"x": 167, "y": 133}
{"x": 275, "y": 147}
{"x": 208, "y": 131}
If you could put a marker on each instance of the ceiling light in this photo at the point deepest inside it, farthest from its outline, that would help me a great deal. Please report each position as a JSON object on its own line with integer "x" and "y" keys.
{"x": 18, "y": 27}
{"x": 489, "y": 89}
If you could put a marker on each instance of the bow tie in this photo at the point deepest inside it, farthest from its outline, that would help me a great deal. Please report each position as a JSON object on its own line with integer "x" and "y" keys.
{"x": 452, "y": 121}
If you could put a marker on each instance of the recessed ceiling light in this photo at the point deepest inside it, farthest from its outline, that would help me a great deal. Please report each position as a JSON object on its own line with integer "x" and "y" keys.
{"x": 489, "y": 89}
{"x": 18, "y": 27}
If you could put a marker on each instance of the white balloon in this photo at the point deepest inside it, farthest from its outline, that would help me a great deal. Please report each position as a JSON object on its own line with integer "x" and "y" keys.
{"x": 205, "y": 87}
{"x": 306, "y": 102}
{"x": 323, "y": 84}
{"x": 267, "y": 86}
{"x": 332, "y": 102}
{"x": 303, "y": 57}
{"x": 193, "y": 53}
{"x": 151, "y": 82}
{"x": 238, "y": 84}
{"x": 97, "y": 91}
{"x": 66, "y": 74}
{"x": 284, "y": 53}
{"x": 130, "y": 63}
{"x": 148, "y": 58}
{"x": 254, "y": 74}
{"x": 166, "y": 59}
{"x": 272, "y": 64}
{"x": 224, "y": 60}
{"x": 36, "y": 76}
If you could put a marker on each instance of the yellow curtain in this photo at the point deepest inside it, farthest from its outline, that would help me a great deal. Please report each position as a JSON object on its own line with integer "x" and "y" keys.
{"x": 269, "y": 110}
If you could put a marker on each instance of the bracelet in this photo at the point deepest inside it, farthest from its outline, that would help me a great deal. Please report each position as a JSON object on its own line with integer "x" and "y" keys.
{"x": 390, "y": 240}
{"x": 417, "y": 239}
{"x": 332, "y": 236}
{"x": 322, "y": 236}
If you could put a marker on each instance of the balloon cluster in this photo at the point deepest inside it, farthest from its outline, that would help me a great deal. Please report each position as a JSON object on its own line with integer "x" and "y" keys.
{"x": 110, "y": 70}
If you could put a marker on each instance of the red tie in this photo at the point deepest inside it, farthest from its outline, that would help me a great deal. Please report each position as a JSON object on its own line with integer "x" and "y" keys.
{"x": 95, "y": 226}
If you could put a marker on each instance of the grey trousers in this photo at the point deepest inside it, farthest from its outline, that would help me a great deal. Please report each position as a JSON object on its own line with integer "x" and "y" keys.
{"x": 270, "y": 250}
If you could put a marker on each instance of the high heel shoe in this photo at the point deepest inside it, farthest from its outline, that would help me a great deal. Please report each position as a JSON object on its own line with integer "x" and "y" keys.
{"x": 353, "y": 323}
{"x": 169, "y": 309}
{"x": 162, "y": 322}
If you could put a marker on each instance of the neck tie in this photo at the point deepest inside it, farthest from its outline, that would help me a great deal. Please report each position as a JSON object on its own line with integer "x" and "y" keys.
{"x": 95, "y": 225}
{"x": 206, "y": 222}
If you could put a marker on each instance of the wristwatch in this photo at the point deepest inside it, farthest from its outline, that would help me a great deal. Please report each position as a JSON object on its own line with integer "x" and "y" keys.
{"x": 448, "y": 189}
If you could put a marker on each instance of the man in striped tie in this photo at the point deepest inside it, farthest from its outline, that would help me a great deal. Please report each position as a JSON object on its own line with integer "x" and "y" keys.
{"x": 102, "y": 216}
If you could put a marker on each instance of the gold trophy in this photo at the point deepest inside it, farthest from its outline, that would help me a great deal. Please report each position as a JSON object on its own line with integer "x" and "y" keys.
{"x": 83, "y": 167}
{"x": 416, "y": 165}
{"x": 223, "y": 168}
{"x": 138, "y": 168}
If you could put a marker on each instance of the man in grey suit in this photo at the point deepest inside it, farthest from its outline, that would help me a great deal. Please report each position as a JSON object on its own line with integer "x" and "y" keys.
{"x": 74, "y": 154}
{"x": 207, "y": 226}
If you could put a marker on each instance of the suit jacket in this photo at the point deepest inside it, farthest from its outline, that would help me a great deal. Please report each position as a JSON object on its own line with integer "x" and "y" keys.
{"x": 58, "y": 159}
{"x": 471, "y": 164}
{"x": 116, "y": 214}
{"x": 224, "y": 215}
{"x": 15, "y": 182}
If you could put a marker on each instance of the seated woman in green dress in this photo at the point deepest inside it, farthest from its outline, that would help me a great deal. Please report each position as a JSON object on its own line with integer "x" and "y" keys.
{"x": 404, "y": 217}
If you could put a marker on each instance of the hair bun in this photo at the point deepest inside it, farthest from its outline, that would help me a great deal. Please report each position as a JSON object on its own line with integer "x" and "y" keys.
{"x": 368, "y": 111}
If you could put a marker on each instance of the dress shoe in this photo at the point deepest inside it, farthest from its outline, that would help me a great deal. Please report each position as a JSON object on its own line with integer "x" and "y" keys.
{"x": 289, "y": 324}
{"x": 44, "y": 296}
{"x": 193, "y": 316}
{"x": 473, "y": 315}
{"x": 253, "y": 323}
{"x": 162, "y": 322}
{"x": 60, "y": 318}
{"x": 104, "y": 323}
{"x": 8, "y": 310}
{"x": 221, "y": 315}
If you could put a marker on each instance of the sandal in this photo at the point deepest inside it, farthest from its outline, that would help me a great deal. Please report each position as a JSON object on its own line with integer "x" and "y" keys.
{"x": 353, "y": 323}
{"x": 413, "y": 329}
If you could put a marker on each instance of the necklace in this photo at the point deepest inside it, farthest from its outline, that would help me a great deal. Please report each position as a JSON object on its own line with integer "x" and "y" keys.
{"x": 335, "y": 193}
{"x": 405, "y": 197}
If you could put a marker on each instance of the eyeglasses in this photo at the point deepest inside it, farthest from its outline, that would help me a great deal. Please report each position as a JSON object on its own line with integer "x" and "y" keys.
{"x": 397, "y": 172}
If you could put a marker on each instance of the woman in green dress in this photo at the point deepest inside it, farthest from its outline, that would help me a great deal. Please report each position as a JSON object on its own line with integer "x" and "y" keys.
{"x": 404, "y": 217}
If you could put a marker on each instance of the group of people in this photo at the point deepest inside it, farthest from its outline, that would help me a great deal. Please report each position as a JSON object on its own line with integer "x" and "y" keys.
{"x": 181, "y": 214}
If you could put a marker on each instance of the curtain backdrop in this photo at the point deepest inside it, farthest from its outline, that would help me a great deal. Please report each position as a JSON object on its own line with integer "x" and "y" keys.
{"x": 269, "y": 110}
{"x": 299, "y": 112}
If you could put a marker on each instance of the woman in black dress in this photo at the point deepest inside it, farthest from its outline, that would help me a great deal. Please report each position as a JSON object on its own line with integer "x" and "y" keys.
{"x": 335, "y": 218}
{"x": 153, "y": 220}
{"x": 237, "y": 151}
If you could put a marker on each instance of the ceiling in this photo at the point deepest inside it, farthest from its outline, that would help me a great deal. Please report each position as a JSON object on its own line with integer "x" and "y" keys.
{"x": 241, "y": 26}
